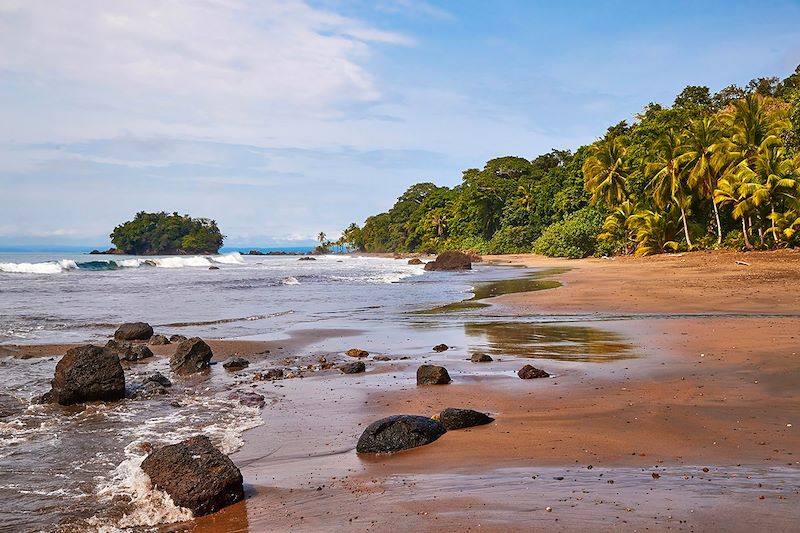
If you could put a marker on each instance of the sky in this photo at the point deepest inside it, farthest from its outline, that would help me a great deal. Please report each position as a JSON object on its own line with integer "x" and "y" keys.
{"x": 281, "y": 119}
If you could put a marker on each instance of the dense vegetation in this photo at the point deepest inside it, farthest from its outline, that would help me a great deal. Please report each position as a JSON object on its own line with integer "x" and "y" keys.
{"x": 718, "y": 170}
{"x": 165, "y": 234}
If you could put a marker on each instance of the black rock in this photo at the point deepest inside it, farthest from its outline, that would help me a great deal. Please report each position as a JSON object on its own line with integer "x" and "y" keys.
{"x": 134, "y": 331}
{"x": 441, "y": 348}
{"x": 355, "y": 367}
{"x": 481, "y": 358}
{"x": 531, "y": 372}
{"x": 450, "y": 261}
{"x": 177, "y": 338}
{"x": 453, "y": 418}
{"x": 415, "y": 261}
{"x": 158, "y": 377}
{"x": 432, "y": 375}
{"x": 87, "y": 373}
{"x": 193, "y": 355}
{"x": 235, "y": 363}
{"x": 399, "y": 432}
{"x": 159, "y": 340}
{"x": 196, "y": 475}
{"x": 307, "y": 259}
{"x": 212, "y": 267}
{"x": 149, "y": 390}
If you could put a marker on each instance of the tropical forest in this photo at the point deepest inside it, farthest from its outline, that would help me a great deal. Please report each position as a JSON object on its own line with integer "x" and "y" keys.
{"x": 715, "y": 170}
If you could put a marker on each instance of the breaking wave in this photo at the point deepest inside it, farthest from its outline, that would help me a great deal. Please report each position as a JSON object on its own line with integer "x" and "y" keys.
{"x": 65, "y": 265}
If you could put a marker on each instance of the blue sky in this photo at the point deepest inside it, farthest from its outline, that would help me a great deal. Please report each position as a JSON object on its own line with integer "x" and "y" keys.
{"x": 283, "y": 119}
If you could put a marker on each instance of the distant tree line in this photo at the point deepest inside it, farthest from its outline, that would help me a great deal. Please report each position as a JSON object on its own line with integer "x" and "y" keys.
{"x": 167, "y": 234}
{"x": 719, "y": 170}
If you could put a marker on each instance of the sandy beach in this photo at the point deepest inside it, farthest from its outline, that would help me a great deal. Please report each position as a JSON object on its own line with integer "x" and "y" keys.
{"x": 693, "y": 427}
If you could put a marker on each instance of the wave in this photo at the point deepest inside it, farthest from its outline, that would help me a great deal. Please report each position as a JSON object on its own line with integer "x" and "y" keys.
{"x": 291, "y": 280}
{"x": 225, "y": 320}
{"x": 65, "y": 265}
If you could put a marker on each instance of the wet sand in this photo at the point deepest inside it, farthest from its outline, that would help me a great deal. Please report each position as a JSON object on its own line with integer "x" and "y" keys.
{"x": 690, "y": 426}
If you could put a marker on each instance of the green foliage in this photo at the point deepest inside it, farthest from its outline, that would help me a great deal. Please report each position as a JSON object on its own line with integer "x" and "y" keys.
{"x": 573, "y": 237}
{"x": 162, "y": 233}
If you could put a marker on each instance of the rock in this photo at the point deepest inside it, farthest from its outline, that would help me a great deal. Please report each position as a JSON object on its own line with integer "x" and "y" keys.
{"x": 248, "y": 399}
{"x": 306, "y": 258}
{"x": 453, "y": 418}
{"x": 128, "y": 352}
{"x": 356, "y": 367}
{"x": 192, "y": 355}
{"x": 177, "y": 338}
{"x": 473, "y": 256}
{"x": 415, "y": 261}
{"x": 450, "y": 261}
{"x": 235, "y": 363}
{"x": 134, "y": 331}
{"x": 441, "y": 348}
{"x": 212, "y": 267}
{"x": 140, "y": 352}
{"x": 158, "y": 377}
{"x": 149, "y": 390}
{"x": 381, "y": 358}
{"x": 255, "y": 252}
{"x": 159, "y": 340}
{"x": 88, "y": 373}
{"x": 356, "y": 352}
{"x": 432, "y": 375}
{"x": 531, "y": 372}
{"x": 269, "y": 375}
{"x": 196, "y": 475}
{"x": 481, "y": 358}
{"x": 110, "y": 251}
{"x": 399, "y": 432}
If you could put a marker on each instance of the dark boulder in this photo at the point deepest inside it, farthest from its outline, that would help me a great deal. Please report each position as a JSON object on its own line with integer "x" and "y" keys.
{"x": 87, "y": 373}
{"x": 134, "y": 331}
{"x": 212, "y": 267}
{"x": 158, "y": 377}
{"x": 481, "y": 358}
{"x": 306, "y": 258}
{"x": 450, "y": 261}
{"x": 235, "y": 363}
{"x": 415, "y": 261}
{"x": 192, "y": 355}
{"x": 149, "y": 390}
{"x": 177, "y": 338}
{"x": 399, "y": 432}
{"x": 356, "y": 367}
{"x": 453, "y": 418}
{"x": 159, "y": 340}
{"x": 432, "y": 375}
{"x": 356, "y": 352}
{"x": 441, "y": 348}
{"x": 196, "y": 475}
{"x": 129, "y": 352}
{"x": 248, "y": 399}
{"x": 531, "y": 372}
{"x": 139, "y": 352}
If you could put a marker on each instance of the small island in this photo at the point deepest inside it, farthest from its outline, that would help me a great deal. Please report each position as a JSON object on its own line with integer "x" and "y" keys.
{"x": 166, "y": 234}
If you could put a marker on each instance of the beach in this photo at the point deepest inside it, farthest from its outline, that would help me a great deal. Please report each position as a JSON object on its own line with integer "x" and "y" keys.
{"x": 672, "y": 405}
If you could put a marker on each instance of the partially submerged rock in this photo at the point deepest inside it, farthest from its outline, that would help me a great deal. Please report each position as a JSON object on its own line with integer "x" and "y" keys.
{"x": 269, "y": 375}
{"x": 356, "y": 352}
{"x": 453, "y": 418}
{"x": 134, "y": 331}
{"x": 87, "y": 373}
{"x": 177, "y": 338}
{"x": 415, "y": 261}
{"x": 531, "y": 372}
{"x": 356, "y": 367}
{"x": 196, "y": 475}
{"x": 441, "y": 348}
{"x": 399, "y": 432}
{"x": 235, "y": 363}
{"x": 450, "y": 261}
{"x": 158, "y": 377}
{"x": 481, "y": 358}
{"x": 249, "y": 399}
{"x": 306, "y": 258}
{"x": 432, "y": 375}
{"x": 159, "y": 340}
{"x": 129, "y": 352}
{"x": 193, "y": 355}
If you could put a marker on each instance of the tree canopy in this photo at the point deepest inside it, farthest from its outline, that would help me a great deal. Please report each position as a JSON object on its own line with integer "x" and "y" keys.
{"x": 167, "y": 234}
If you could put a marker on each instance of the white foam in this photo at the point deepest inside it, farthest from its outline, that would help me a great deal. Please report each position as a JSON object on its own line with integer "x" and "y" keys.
{"x": 180, "y": 262}
{"x": 234, "y": 258}
{"x": 48, "y": 267}
{"x": 291, "y": 280}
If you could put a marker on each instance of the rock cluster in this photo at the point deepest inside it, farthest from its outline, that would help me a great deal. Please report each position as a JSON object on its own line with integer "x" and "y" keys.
{"x": 399, "y": 432}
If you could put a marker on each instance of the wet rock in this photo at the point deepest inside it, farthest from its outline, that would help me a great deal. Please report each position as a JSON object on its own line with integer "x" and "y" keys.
{"x": 415, "y": 261}
{"x": 399, "y": 432}
{"x": 450, "y": 261}
{"x": 177, "y": 338}
{"x": 235, "y": 363}
{"x": 149, "y": 390}
{"x": 158, "y": 377}
{"x": 212, "y": 267}
{"x": 137, "y": 353}
{"x": 248, "y": 399}
{"x": 481, "y": 358}
{"x": 134, "y": 331}
{"x": 531, "y": 372}
{"x": 196, "y": 475}
{"x": 356, "y": 367}
{"x": 432, "y": 375}
{"x": 269, "y": 375}
{"x": 159, "y": 340}
{"x": 193, "y": 355}
{"x": 87, "y": 373}
{"x": 381, "y": 358}
{"x": 441, "y": 348}
{"x": 307, "y": 259}
{"x": 453, "y": 418}
{"x": 356, "y": 352}
{"x": 129, "y": 352}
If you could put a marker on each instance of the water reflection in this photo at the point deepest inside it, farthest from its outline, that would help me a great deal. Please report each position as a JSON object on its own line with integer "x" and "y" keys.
{"x": 548, "y": 341}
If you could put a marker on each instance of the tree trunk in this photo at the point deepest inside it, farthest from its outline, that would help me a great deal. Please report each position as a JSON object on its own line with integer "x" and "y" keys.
{"x": 686, "y": 228}
{"x": 744, "y": 232}
{"x": 719, "y": 226}
{"x": 772, "y": 219}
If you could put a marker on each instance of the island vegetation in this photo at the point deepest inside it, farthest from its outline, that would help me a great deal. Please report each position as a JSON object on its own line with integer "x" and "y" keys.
{"x": 167, "y": 234}
{"x": 712, "y": 170}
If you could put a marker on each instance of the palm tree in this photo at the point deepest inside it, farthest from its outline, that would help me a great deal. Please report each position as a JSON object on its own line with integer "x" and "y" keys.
{"x": 438, "y": 221}
{"x": 701, "y": 147}
{"x": 321, "y": 238}
{"x": 756, "y": 122}
{"x": 732, "y": 189}
{"x": 668, "y": 184}
{"x": 620, "y": 226}
{"x": 606, "y": 172}
{"x": 656, "y": 232}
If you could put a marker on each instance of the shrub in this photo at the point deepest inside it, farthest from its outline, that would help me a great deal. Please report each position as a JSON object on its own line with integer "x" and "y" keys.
{"x": 512, "y": 240}
{"x": 573, "y": 237}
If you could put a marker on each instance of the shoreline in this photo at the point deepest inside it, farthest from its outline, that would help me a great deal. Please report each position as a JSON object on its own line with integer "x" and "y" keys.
{"x": 712, "y": 383}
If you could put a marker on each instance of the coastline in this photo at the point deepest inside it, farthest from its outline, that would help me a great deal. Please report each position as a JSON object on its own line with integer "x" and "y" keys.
{"x": 711, "y": 383}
